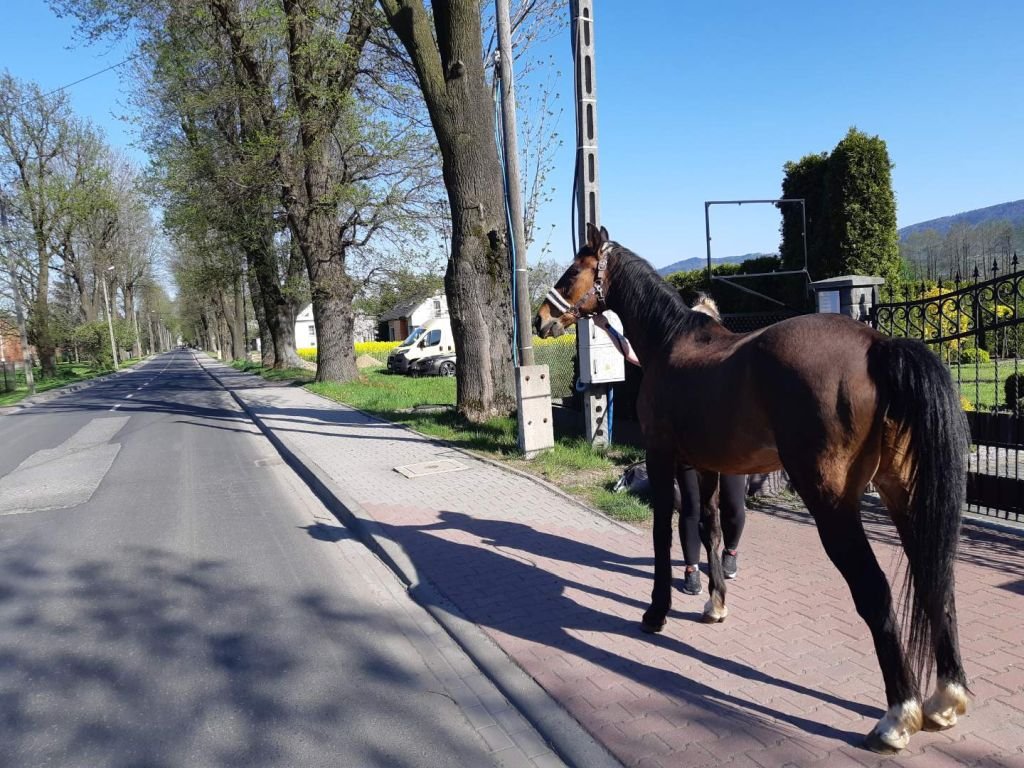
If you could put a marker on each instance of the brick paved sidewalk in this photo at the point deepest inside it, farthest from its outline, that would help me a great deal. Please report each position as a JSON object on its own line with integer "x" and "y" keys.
{"x": 790, "y": 679}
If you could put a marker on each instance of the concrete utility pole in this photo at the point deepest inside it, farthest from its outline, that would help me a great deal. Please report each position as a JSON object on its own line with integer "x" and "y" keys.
{"x": 595, "y": 398}
{"x": 533, "y": 382}
{"x": 506, "y": 79}
{"x": 19, "y": 314}
{"x": 110, "y": 322}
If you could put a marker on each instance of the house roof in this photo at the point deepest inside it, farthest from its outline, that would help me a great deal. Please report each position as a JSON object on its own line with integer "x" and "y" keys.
{"x": 402, "y": 310}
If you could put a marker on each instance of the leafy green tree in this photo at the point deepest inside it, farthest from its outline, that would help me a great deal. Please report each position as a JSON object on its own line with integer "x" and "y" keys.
{"x": 805, "y": 179}
{"x": 851, "y": 210}
{"x": 35, "y": 133}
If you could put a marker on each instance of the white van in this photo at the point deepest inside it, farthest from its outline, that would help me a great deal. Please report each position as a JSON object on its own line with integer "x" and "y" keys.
{"x": 432, "y": 338}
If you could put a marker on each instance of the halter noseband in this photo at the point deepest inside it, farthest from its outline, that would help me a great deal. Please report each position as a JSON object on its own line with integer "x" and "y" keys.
{"x": 559, "y": 302}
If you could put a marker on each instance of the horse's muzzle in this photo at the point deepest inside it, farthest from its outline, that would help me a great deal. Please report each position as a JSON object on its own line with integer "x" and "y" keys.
{"x": 551, "y": 328}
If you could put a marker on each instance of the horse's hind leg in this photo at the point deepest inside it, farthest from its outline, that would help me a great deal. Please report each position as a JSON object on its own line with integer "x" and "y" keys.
{"x": 715, "y": 609}
{"x": 839, "y": 526}
{"x": 949, "y": 700}
{"x": 661, "y": 473}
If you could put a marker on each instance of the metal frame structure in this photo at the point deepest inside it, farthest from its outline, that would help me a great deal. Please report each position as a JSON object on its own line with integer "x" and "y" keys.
{"x": 731, "y": 280}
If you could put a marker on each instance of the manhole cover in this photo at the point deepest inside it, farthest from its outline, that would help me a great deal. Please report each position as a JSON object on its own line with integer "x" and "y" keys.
{"x": 435, "y": 467}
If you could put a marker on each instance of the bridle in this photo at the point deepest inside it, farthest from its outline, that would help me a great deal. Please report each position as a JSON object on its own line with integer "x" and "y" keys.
{"x": 559, "y": 302}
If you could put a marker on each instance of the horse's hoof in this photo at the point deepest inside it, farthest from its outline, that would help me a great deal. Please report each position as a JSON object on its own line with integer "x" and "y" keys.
{"x": 652, "y": 627}
{"x": 715, "y": 611}
{"x": 875, "y": 743}
{"x": 892, "y": 733}
{"x": 942, "y": 708}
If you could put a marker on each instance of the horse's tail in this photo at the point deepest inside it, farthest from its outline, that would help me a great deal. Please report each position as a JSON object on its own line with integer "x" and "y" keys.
{"x": 923, "y": 401}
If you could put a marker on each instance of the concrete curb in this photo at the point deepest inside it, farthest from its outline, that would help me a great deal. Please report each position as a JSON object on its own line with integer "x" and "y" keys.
{"x": 565, "y": 735}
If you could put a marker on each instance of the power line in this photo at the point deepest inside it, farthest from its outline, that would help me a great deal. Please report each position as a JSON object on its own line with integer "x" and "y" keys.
{"x": 83, "y": 79}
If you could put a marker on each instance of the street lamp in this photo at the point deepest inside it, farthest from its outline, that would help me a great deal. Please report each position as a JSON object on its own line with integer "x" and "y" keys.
{"x": 110, "y": 322}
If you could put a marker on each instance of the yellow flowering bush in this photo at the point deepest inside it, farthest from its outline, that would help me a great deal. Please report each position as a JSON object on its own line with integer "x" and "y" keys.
{"x": 565, "y": 340}
{"x": 377, "y": 349}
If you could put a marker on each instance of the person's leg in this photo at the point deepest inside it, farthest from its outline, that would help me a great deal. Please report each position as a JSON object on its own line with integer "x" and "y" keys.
{"x": 733, "y": 491}
{"x": 689, "y": 521}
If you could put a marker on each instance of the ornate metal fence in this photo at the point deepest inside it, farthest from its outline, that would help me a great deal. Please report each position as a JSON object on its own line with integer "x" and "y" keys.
{"x": 977, "y": 327}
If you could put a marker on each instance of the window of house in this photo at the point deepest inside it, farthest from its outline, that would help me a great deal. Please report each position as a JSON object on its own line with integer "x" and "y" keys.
{"x": 437, "y": 307}
{"x": 312, "y": 331}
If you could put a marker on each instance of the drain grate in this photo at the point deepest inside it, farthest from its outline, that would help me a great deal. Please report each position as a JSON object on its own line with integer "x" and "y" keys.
{"x": 436, "y": 467}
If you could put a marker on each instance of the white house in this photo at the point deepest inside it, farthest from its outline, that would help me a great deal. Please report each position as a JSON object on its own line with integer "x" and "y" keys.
{"x": 364, "y": 328}
{"x": 403, "y": 318}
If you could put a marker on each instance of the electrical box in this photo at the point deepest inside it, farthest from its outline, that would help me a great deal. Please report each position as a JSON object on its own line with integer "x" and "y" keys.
{"x": 601, "y": 362}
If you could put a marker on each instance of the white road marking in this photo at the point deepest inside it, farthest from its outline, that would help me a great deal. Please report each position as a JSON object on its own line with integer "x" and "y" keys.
{"x": 116, "y": 407}
{"x": 131, "y": 394}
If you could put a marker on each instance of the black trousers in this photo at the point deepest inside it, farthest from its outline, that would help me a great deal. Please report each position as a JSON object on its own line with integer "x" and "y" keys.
{"x": 732, "y": 489}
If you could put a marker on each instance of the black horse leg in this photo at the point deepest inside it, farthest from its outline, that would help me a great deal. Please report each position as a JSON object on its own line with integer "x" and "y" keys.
{"x": 949, "y": 700}
{"x": 661, "y": 473}
{"x": 711, "y": 535}
{"x": 846, "y": 544}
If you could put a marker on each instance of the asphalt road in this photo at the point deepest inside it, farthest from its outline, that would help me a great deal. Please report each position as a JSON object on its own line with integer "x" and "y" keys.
{"x": 167, "y": 598}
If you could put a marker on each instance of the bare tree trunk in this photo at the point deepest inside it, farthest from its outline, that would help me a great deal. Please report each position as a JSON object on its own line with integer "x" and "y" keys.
{"x": 266, "y": 339}
{"x": 333, "y": 317}
{"x": 39, "y": 322}
{"x": 277, "y": 314}
{"x": 129, "y": 309}
{"x": 478, "y": 279}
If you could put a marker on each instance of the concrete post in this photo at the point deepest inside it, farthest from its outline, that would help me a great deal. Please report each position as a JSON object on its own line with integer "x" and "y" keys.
{"x": 588, "y": 202}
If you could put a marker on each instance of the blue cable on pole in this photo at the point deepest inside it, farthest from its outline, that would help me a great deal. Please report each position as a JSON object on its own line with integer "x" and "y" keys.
{"x": 611, "y": 410}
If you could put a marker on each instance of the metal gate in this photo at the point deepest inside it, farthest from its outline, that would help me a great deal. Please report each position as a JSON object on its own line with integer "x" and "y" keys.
{"x": 977, "y": 328}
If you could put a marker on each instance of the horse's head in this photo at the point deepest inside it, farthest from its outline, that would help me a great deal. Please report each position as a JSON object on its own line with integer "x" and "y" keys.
{"x": 579, "y": 292}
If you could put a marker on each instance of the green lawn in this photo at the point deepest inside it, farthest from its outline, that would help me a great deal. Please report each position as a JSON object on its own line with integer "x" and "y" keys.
{"x": 427, "y": 404}
{"x": 983, "y": 384}
{"x": 273, "y": 374}
{"x": 67, "y": 373}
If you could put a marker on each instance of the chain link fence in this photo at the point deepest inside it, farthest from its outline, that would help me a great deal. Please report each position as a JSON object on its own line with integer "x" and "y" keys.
{"x": 559, "y": 355}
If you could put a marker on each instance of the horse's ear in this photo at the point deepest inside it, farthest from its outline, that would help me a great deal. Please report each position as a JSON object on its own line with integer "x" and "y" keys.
{"x": 596, "y": 237}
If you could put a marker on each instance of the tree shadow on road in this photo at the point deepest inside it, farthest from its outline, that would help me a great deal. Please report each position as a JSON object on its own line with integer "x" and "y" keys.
{"x": 159, "y": 660}
{"x": 541, "y": 611}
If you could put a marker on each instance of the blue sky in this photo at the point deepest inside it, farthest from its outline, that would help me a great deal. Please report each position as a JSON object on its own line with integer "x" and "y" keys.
{"x": 701, "y": 101}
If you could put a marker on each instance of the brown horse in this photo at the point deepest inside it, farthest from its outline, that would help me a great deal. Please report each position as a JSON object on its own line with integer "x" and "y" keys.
{"x": 838, "y": 406}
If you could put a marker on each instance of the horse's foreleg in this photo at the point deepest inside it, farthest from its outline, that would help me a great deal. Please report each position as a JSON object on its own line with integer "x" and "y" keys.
{"x": 715, "y": 609}
{"x": 661, "y": 473}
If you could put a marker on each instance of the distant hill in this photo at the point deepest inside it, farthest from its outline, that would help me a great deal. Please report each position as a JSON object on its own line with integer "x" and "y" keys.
{"x": 1012, "y": 212}
{"x": 687, "y": 265}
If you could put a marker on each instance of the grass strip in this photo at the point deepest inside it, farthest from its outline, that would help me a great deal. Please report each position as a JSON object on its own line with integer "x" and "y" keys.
{"x": 67, "y": 373}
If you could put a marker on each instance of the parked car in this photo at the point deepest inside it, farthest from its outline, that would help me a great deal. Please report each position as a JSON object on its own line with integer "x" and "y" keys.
{"x": 435, "y": 365}
{"x": 428, "y": 340}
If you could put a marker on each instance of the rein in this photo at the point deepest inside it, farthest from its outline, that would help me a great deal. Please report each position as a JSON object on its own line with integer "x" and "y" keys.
{"x": 559, "y": 302}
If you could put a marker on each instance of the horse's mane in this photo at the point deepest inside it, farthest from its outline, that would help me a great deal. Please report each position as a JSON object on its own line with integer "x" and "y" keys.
{"x": 652, "y": 301}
